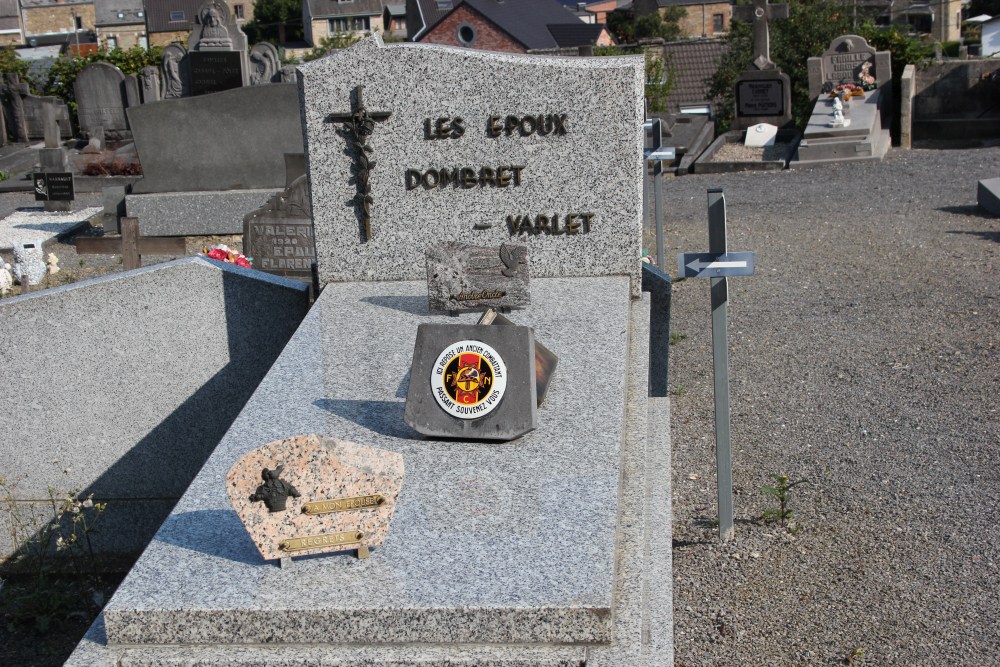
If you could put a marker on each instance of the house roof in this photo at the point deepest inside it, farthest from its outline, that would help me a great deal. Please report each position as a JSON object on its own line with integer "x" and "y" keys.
{"x": 571, "y": 34}
{"x": 159, "y": 14}
{"x": 693, "y": 64}
{"x": 429, "y": 13}
{"x": 107, "y": 12}
{"x": 396, "y": 10}
{"x": 527, "y": 21}
{"x": 9, "y": 24}
{"x": 331, "y": 8}
{"x": 9, "y": 8}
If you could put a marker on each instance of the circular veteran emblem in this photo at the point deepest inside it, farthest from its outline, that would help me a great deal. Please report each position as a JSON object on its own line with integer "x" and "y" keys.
{"x": 468, "y": 379}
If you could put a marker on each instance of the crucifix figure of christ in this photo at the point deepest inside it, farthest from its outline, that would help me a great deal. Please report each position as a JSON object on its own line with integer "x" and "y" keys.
{"x": 759, "y": 12}
{"x": 359, "y": 125}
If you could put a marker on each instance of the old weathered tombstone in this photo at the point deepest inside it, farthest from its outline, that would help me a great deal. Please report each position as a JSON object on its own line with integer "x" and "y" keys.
{"x": 265, "y": 64}
{"x": 101, "y": 101}
{"x": 176, "y": 72}
{"x": 763, "y": 91}
{"x": 133, "y": 96}
{"x": 217, "y": 50}
{"x": 150, "y": 84}
{"x": 314, "y": 494}
{"x": 542, "y": 550}
{"x": 850, "y": 60}
{"x": 279, "y": 235}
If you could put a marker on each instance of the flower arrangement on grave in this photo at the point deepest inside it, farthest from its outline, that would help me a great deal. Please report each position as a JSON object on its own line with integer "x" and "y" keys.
{"x": 224, "y": 253}
{"x": 865, "y": 79}
{"x": 849, "y": 89}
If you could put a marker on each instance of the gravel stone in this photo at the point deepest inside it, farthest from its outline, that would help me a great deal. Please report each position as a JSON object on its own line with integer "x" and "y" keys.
{"x": 863, "y": 358}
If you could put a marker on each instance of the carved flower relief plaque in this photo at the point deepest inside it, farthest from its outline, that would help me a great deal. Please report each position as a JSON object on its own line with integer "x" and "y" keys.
{"x": 463, "y": 277}
{"x": 314, "y": 494}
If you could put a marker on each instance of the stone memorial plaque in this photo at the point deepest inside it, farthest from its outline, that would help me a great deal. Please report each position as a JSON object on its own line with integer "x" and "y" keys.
{"x": 282, "y": 247}
{"x": 315, "y": 494}
{"x": 53, "y": 186}
{"x": 545, "y": 360}
{"x": 215, "y": 71}
{"x": 764, "y": 97}
{"x": 761, "y": 134}
{"x": 472, "y": 382}
{"x": 464, "y": 277}
{"x": 478, "y": 148}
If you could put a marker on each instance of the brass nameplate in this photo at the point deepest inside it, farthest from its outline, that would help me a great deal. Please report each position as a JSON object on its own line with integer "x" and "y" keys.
{"x": 321, "y": 541}
{"x": 343, "y": 504}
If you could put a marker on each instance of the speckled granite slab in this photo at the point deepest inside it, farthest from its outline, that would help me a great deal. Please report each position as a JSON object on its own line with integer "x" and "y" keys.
{"x": 511, "y": 555}
{"x": 477, "y": 147}
{"x": 312, "y": 494}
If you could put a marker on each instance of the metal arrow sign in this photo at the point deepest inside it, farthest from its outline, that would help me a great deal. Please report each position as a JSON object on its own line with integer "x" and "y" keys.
{"x": 715, "y": 265}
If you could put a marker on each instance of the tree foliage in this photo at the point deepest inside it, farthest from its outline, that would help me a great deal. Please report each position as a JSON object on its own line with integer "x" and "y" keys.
{"x": 661, "y": 75}
{"x": 268, "y": 18}
{"x": 807, "y": 32}
{"x": 338, "y": 40}
{"x": 10, "y": 62}
{"x": 666, "y": 26}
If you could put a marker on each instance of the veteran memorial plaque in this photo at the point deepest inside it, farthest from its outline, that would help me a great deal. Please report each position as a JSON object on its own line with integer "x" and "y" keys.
{"x": 314, "y": 494}
{"x": 474, "y": 382}
{"x": 463, "y": 277}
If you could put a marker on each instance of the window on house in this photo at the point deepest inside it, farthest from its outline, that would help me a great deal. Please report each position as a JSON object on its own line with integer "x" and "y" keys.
{"x": 717, "y": 25}
{"x": 466, "y": 34}
{"x": 139, "y": 14}
{"x": 238, "y": 11}
{"x": 112, "y": 43}
{"x": 444, "y": 4}
{"x": 177, "y": 15}
{"x": 78, "y": 22}
{"x": 121, "y": 15}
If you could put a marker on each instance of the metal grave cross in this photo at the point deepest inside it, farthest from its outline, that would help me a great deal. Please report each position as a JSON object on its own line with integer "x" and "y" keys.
{"x": 717, "y": 264}
{"x": 759, "y": 12}
{"x": 360, "y": 124}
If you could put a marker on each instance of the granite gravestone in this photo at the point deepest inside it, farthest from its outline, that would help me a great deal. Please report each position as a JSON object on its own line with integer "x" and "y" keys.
{"x": 763, "y": 91}
{"x": 279, "y": 235}
{"x": 101, "y": 101}
{"x": 460, "y": 154}
{"x": 463, "y": 277}
{"x": 217, "y": 50}
{"x": 314, "y": 494}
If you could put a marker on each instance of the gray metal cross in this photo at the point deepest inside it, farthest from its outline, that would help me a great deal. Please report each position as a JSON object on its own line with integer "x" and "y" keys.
{"x": 359, "y": 125}
{"x": 759, "y": 12}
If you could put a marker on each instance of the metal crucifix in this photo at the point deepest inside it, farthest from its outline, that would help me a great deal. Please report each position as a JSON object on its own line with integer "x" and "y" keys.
{"x": 359, "y": 125}
{"x": 759, "y": 12}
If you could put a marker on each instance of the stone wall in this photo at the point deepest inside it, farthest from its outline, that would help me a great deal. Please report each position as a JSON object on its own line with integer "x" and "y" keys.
{"x": 698, "y": 22}
{"x": 126, "y": 36}
{"x": 165, "y": 38}
{"x": 488, "y": 36}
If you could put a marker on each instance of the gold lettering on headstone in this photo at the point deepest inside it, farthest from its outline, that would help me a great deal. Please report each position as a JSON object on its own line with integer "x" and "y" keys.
{"x": 343, "y": 504}
{"x": 321, "y": 541}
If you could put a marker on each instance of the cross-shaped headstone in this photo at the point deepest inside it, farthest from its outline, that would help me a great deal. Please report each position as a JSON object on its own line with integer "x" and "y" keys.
{"x": 131, "y": 245}
{"x": 759, "y": 12}
{"x": 361, "y": 123}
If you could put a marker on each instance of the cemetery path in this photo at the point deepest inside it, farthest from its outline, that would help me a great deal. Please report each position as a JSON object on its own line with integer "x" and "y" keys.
{"x": 864, "y": 358}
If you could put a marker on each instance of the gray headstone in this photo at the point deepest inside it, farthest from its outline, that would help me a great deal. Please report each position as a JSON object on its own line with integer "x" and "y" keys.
{"x": 176, "y": 77}
{"x": 55, "y": 160}
{"x": 150, "y": 84}
{"x": 14, "y": 106}
{"x": 988, "y": 195}
{"x": 472, "y": 382}
{"x": 51, "y": 129}
{"x": 156, "y": 404}
{"x": 763, "y": 96}
{"x": 232, "y": 140}
{"x": 101, "y": 101}
{"x": 466, "y": 156}
{"x": 114, "y": 208}
{"x": 841, "y": 63}
{"x": 463, "y": 277}
{"x": 265, "y": 64}
{"x": 133, "y": 96}
{"x": 217, "y": 50}
{"x": 279, "y": 235}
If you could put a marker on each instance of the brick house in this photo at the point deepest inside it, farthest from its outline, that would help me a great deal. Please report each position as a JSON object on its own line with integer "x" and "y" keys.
{"x": 42, "y": 18}
{"x": 703, "y": 18}
{"x": 322, "y": 18}
{"x": 10, "y": 23}
{"x": 169, "y": 21}
{"x": 120, "y": 23}
{"x": 513, "y": 26}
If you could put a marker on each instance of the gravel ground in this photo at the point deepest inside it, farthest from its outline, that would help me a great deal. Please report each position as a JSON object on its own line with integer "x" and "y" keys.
{"x": 864, "y": 358}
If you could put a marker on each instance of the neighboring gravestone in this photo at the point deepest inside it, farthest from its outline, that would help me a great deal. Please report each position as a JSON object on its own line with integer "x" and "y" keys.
{"x": 101, "y": 101}
{"x": 133, "y": 96}
{"x": 459, "y": 154}
{"x": 279, "y": 235}
{"x": 763, "y": 92}
{"x": 265, "y": 64}
{"x": 988, "y": 195}
{"x": 463, "y": 277}
{"x": 176, "y": 74}
{"x": 217, "y": 50}
{"x": 150, "y": 84}
{"x": 844, "y": 61}
{"x": 313, "y": 494}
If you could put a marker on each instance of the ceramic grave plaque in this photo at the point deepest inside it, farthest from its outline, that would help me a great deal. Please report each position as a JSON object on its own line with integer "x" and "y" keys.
{"x": 314, "y": 494}
{"x": 463, "y": 277}
{"x": 479, "y": 148}
{"x": 472, "y": 382}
